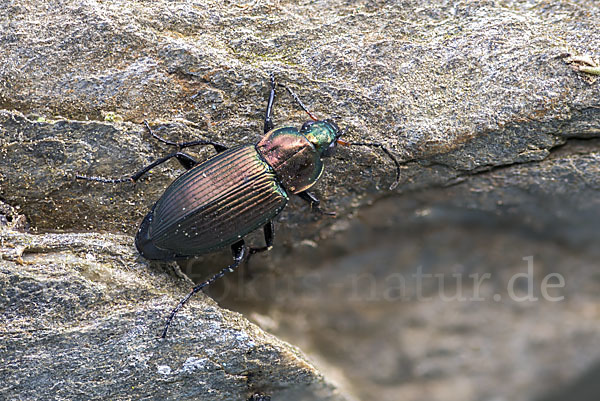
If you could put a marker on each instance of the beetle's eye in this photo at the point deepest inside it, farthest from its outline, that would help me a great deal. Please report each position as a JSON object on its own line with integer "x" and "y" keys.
{"x": 306, "y": 125}
{"x": 330, "y": 151}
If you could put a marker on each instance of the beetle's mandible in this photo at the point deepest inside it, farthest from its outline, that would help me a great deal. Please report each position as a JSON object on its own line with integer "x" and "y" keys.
{"x": 216, "y": 203}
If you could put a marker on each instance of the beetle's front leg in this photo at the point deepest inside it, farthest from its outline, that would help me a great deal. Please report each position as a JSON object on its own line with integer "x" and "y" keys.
{"x": 314, "y": 202}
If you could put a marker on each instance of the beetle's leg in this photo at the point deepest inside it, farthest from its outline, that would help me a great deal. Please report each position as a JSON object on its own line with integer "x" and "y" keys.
{"x": 269, "y": 232}
{"x": 268, "y": 122}
{"x": 239, "y": 253}
{"x": 259, "y": 397}
{"x": 181, "y": 145}
{"x": 314, "y": 202}
{"x": 218, "y": 147}
{"x": 185, "y": 160}
{"x": 269, "y": 235}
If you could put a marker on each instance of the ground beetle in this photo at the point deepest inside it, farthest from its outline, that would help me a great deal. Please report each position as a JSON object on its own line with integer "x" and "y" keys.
{"x": 216, "y": 203}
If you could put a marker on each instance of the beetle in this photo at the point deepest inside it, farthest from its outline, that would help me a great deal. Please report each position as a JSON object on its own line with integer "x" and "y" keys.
{"x": 214, "y": 204}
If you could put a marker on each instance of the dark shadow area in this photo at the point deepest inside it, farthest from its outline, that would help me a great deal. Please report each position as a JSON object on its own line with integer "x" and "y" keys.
{"x": 584, "y": 388}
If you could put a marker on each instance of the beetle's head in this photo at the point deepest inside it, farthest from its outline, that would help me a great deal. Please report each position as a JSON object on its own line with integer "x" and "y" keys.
{"x": 324, "y": 135}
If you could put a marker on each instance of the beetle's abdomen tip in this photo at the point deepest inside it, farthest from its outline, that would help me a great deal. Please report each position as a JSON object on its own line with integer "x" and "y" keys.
{"x": 144, "y": 243}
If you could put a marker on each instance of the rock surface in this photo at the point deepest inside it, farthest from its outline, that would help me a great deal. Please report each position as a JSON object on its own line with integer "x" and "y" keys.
{"x": 82, "y": 317}
{"x": 484, "y": 102}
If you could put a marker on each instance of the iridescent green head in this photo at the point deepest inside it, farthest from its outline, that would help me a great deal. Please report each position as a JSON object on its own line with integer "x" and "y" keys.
{"x": 323, "y": 134}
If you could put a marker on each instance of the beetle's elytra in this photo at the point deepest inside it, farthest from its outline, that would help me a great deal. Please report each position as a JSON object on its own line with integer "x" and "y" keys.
{"x": 214, "y": 204}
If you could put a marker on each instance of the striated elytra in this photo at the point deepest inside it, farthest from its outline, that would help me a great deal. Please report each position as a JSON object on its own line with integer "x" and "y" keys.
{"x": 212, "y": 206}
{"x": 216, "y": 203}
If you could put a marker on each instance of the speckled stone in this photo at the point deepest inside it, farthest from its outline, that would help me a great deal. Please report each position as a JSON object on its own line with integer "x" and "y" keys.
{"x": 486, "y": 105}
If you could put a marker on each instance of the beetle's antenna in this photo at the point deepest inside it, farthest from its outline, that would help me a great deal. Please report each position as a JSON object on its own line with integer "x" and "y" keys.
{"x": 383, "y": 149}
{"x": 297, "y": 99}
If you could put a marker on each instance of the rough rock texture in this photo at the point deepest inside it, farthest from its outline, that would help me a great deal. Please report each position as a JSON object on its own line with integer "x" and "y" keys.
{"x": 82, "y": 317}
{"x": 493, "y": 107}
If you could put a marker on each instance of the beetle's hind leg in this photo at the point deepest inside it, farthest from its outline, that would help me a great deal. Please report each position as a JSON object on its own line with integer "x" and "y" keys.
{"x": 181, "y": 145}
{"x": 240, "y": 251}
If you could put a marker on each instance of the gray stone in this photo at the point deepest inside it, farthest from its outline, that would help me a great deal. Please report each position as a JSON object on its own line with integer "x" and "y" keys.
{"x": 492, "y": 106}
